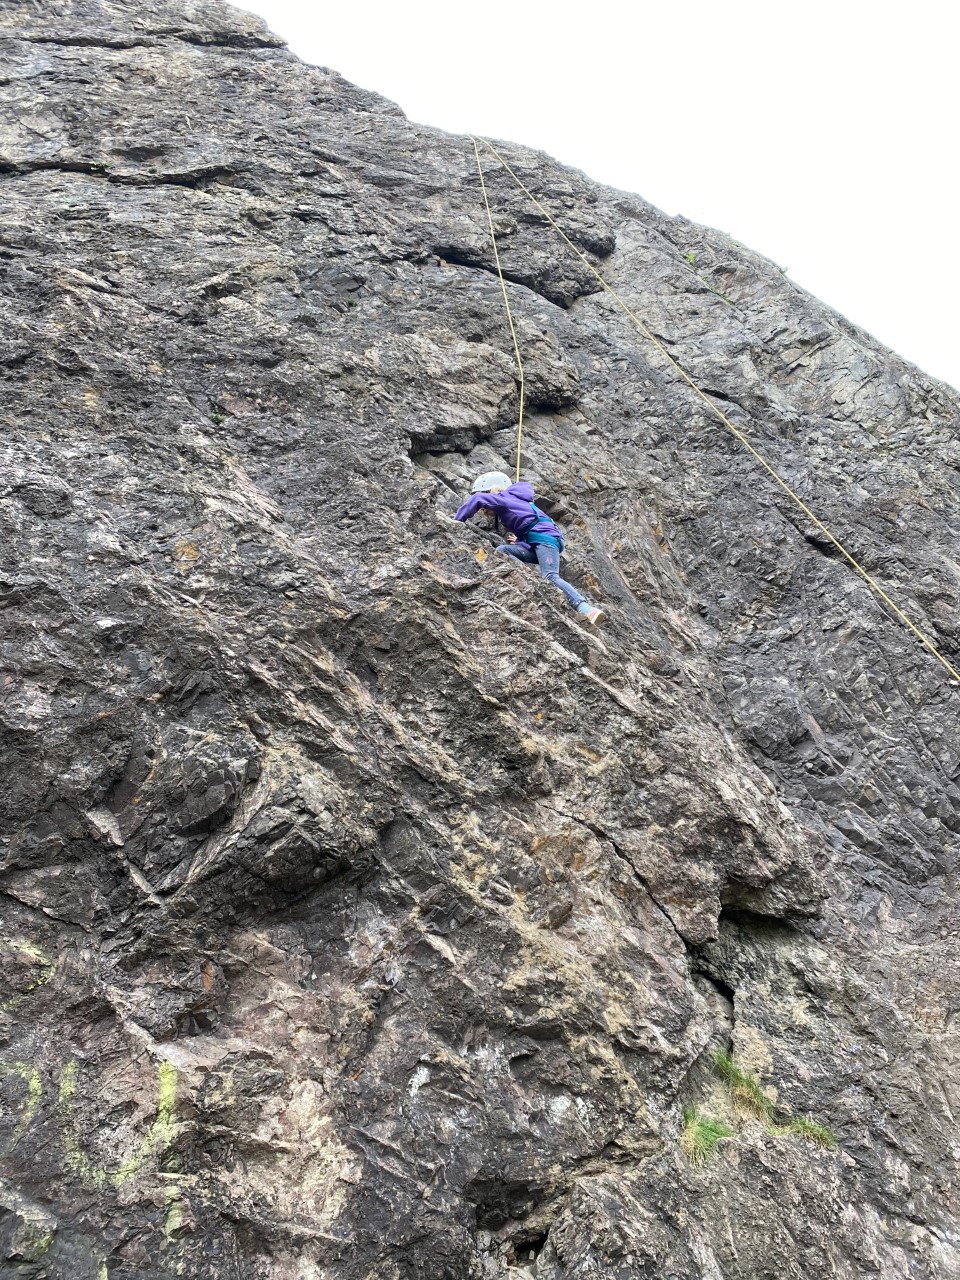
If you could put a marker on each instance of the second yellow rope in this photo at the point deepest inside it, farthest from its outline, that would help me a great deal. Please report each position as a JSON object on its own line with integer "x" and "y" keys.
{"x": 506, "y": 299}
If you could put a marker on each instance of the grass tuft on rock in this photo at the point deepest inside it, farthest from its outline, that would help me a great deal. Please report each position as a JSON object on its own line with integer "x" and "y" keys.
{"x": 804, "y": 1127}
{"x": 744, "y": 1087}
{"x": 701, "y": 1134}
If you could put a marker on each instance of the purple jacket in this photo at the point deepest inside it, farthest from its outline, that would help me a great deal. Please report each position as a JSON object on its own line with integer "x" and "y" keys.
{"x": 512, "y": 508}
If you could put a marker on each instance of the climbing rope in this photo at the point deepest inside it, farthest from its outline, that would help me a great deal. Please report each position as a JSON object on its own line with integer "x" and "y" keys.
{"x": 735, "y": 431}
{"x": 506, "y": 299}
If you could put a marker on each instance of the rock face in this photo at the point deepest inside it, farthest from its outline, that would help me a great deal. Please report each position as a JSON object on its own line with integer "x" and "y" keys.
{"x": 366, "y": 916}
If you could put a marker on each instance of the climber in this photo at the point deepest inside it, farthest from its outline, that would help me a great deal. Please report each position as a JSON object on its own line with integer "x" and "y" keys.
{"x": 531, "y": 535}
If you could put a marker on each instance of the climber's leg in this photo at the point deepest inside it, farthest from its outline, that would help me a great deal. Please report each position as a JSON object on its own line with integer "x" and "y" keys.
{"x": 549, "y": 559}
{"x": 523, "y": 553}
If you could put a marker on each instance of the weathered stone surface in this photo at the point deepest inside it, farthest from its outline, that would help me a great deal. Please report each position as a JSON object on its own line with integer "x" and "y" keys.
{"x": 364, "y": 915}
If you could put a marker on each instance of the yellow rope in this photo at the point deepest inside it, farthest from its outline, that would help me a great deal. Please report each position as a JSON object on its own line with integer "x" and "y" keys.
{"x": 506, "y": 300}
{"x": 727, "y": 423}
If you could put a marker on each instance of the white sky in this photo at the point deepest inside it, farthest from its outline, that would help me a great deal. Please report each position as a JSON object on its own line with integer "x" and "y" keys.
{"x": 822, "y": 133}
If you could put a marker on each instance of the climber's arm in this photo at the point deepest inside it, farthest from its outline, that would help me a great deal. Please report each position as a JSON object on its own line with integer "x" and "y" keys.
{"x": 476, "y": 502}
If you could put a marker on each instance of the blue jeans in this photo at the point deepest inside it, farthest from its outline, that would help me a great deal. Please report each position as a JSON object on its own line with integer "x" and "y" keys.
{"x": 548, "y": 559}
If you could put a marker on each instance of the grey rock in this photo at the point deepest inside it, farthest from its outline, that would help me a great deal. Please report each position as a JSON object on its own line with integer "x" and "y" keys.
{"x": 365, "y": 915}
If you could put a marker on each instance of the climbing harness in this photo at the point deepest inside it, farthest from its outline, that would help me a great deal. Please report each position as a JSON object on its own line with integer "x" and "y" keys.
{"x": 557, "y": 540}
{"x": 506, "y": 298}
{"x": 734, "y": 431}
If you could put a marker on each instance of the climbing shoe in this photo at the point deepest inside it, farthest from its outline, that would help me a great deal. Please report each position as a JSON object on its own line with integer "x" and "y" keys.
{"x": 591, "y": 613}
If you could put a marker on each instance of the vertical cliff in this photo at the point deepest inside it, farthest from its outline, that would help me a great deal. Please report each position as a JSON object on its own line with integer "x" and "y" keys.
{"x": 366, "y": 916}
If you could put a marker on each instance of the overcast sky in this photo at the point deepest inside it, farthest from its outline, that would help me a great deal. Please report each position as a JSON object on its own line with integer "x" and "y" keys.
{"x": 823, "y": 134}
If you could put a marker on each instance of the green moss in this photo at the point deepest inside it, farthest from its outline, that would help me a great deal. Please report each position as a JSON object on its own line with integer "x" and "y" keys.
{"x": 31, "y": 1241}
{"x": 157, "y": 1139}
{"x": 161, "y": 1132}
{"x": 701, "y": 1134}
{"x": 34, "y": 1090}
{"x": 40, "y": 958}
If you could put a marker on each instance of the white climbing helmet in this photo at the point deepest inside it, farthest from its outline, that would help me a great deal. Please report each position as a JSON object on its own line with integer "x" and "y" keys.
{"x": 491, "y": 480}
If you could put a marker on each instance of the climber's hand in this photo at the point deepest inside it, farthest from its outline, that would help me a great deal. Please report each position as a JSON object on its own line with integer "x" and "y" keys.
{"x": 511, "y": 537}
